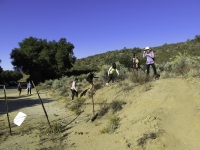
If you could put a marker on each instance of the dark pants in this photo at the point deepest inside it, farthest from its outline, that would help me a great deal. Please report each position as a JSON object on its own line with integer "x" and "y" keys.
{"x": 20, "y": 90}
{"x": 154, "y": 69}
{"x": 29, "y": 91}
{"x": 111, "y": 77}
{"x": 74, "y": 93}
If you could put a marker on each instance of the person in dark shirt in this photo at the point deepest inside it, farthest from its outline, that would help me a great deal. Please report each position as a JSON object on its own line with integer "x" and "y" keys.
{"x": 90, "y": 80}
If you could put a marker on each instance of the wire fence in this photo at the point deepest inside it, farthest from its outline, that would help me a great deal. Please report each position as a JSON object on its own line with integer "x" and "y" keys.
{"x": 31, "y": 106}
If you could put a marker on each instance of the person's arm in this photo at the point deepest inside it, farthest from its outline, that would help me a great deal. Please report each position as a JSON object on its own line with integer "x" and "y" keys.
{"x": 109, "y": 70}
{"x": 144, "y": 54}
{"x": 117, "y": 71}
{"x": 74, "y": 86}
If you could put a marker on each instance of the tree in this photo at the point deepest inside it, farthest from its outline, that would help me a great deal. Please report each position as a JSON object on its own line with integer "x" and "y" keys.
{"x": 9, "y": 75}
{"x": 43, "y": 60}
{"x": 197, "y": 38}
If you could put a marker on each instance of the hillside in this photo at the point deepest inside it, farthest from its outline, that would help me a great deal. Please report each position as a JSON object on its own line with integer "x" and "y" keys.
{"x": 159, "y": 115}
{"x": 164, "y": 116}
{"x": 163, "y": 54}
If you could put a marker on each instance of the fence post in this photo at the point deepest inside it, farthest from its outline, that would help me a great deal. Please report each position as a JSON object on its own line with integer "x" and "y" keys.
{"x": 93, "y": 102}
{"x": 42, "y": 106}
{"x": 6, "y": 104}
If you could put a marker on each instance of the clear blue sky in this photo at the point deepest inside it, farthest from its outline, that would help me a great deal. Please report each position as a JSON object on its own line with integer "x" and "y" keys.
{"x": 97, "y": 26}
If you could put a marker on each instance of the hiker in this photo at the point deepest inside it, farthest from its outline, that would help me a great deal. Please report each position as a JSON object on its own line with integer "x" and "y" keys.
{"x": 19, "y": 87}
{"x": 111, "y": 73}
{"x": 90, "y": 80}
{"x": 73, "y": 88}
{"x": 135, "y": 64}
{"x": 29, "y": 88}
{"x": 149, "y": 54}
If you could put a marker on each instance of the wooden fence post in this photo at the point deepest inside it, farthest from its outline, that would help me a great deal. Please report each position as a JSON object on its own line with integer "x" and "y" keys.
{"x": 42, "y": 106}
{"x": 6, "y": 104}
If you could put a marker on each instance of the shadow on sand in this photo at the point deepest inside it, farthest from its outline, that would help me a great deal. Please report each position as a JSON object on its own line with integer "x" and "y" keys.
{"x": 15, "y": 103}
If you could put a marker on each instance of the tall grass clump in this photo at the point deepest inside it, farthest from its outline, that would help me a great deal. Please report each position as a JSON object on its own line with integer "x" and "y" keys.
{"x": 112, "y": 125}
{"x": 116, "y": 105}
{"x": 76, "y": 106}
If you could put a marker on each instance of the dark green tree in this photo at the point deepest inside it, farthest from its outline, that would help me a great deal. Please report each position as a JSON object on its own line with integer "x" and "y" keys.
{"x": 197, "y": 38}
{"x": 9, "y": 75}
{"x": 43, "y": 60}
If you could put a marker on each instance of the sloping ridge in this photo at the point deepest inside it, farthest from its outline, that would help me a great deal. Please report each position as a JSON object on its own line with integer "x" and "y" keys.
{"x": 165, "y": 117}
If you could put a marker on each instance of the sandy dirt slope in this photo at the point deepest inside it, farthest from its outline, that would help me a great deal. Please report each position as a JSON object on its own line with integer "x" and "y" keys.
{"x": 161, "y": 115}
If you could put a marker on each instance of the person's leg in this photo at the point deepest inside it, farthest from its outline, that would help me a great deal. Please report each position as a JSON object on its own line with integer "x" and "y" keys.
{"x": 154, "y": 70}
{"x": 91, "y": 85}
{"x": 72, "y": 94}
{"x": 147, "y": 76}
{"x": 92, "y": 88}
{"x": 112, "y": 78}
{"x": 148, "y": 66}
{"x": 30, "y": 91}
{"x": 27, "y": 91}
{"x": 76, "y": 93}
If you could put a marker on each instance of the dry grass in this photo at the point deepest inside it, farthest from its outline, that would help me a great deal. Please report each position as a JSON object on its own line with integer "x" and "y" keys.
{"x": 112, "y": 125}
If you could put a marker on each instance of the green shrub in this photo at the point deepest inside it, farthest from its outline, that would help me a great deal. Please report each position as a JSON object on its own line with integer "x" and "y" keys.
{"x": 112, "y": 125}
{"x": 57, "y": 127}
{"x": 75, "y": 106}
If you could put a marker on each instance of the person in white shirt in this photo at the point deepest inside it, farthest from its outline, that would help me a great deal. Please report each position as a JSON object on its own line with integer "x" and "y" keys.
{"x": 73, "y": 88}
{"x": 29, "y": 88}
{"x": 111, "y": 73}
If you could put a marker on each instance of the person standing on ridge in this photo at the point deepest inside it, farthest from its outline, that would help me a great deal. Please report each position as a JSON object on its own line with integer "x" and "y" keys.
{"x": 73, "y": 88}
{"x": 111, "y": 73}
{"x": 149, "y": 54}
{"x": 135, "y": 64}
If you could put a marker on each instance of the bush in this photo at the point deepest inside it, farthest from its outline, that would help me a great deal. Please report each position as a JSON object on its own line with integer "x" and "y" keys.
{"x": 180, "y": 65}
{"x": 116, "y": 105}
{"x": 112, "y": 126}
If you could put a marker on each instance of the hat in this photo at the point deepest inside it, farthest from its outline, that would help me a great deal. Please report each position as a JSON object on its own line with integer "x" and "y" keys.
{"x": 146, "y": 48}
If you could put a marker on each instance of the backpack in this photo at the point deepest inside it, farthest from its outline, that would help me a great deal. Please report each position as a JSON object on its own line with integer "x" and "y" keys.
{"x": 70, "y": 85}
{"x": 88, "y": 78}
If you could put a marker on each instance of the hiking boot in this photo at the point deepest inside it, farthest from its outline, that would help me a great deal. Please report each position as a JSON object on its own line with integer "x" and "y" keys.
{"x": 157, "y": 76}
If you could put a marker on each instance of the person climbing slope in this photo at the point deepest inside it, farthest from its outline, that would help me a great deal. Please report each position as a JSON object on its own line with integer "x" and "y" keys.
{"x": 73, "y": 88}
{"x": 90, "y": 80}
{"x": 111, "y": 73}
